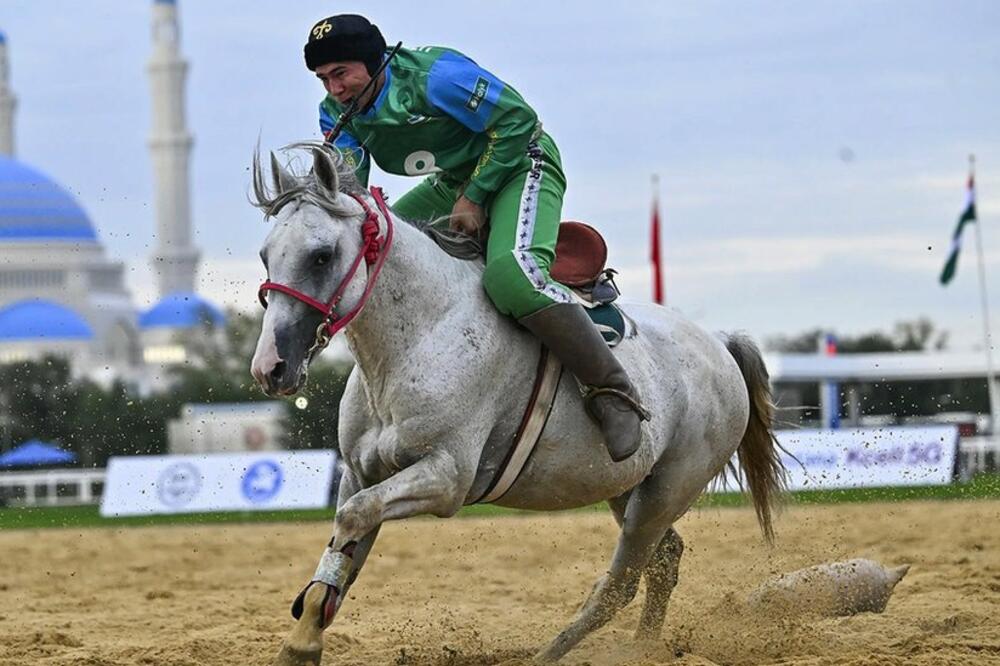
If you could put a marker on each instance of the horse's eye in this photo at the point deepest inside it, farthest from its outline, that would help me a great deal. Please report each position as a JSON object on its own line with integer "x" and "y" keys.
{"x": 323, "y": 257}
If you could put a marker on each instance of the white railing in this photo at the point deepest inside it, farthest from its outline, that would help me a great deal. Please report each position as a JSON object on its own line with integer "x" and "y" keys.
{"x": 53, "y": 487}
{"x": 68, "y": 487}
{"x": 978, "y": 454}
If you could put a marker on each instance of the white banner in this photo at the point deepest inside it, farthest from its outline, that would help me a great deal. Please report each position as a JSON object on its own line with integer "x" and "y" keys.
{"x": 872, "y": 457}
{"x": 138, "y": 485}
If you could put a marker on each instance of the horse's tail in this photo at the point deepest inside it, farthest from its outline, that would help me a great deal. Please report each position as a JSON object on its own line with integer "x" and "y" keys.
{"x": 758, "y": 451}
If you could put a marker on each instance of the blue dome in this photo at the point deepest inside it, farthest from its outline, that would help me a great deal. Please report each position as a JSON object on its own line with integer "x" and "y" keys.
{"x": 33, "y": 207}
{"x": 181, "y": 311}
{"x": 38, "y": 319}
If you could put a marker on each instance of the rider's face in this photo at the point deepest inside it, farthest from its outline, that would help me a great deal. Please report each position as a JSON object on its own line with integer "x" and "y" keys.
{"x": 343, "y": 80}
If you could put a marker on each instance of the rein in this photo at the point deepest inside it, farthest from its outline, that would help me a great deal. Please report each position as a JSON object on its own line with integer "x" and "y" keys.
{"x": 374, "y": 250}
{"x": 353, "y": 109}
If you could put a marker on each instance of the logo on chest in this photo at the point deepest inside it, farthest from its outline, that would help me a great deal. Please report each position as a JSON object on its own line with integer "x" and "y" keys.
{"x": 419, "y": 163}
{"x": 478, "y": 94}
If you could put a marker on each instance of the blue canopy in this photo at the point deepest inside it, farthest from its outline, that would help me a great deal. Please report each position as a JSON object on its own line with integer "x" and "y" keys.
{"x": 34, "y": 452}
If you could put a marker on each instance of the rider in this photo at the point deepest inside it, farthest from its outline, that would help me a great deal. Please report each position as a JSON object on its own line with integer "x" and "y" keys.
{"x": 435, "y": 112}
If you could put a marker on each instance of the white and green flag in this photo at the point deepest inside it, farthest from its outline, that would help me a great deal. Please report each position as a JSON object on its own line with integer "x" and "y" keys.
{"x": 968, "y": 215}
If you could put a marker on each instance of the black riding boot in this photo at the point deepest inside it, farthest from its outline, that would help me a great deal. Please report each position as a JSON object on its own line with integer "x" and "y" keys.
{"x": 610, "y": 398}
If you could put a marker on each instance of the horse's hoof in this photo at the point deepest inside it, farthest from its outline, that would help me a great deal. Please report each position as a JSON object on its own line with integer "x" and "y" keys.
{"x": 549, "y": 655}
{"x": 290, "y": 656}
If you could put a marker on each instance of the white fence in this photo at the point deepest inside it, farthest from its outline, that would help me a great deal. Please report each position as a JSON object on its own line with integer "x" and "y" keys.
{"x": 53, "y": 487}
{"x": 68, "y": 487}
{"x": 978, "y": 454}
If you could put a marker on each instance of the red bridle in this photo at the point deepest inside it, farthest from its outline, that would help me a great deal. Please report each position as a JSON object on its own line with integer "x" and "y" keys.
{"x": 374, "y": 250}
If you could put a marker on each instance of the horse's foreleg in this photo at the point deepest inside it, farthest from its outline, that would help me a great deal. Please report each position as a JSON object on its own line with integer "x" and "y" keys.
{"x": 316, "y": 604}
{"x": 431, "y": 485}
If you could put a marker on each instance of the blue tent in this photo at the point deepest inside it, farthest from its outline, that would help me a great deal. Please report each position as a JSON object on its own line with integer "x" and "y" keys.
{"x": 36, "y": 453}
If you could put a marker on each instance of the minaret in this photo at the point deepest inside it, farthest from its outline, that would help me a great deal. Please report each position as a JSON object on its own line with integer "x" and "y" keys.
{"x": 175, "y": 259}
{"x": 8, "y": 103}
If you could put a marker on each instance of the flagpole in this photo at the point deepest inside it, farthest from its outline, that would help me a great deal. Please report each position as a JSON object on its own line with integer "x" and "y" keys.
{"x": 655, "y": 255}
{"x": 991, "y": 383}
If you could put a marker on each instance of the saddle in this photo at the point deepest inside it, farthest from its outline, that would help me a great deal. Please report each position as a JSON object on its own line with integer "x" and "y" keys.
{"x": 581, "y": 254}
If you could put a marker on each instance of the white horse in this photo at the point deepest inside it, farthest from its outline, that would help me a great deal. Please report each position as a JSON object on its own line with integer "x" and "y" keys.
{"x": 441, "y": 380}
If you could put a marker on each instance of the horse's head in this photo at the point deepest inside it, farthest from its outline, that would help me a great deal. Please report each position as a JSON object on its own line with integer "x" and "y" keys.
{"x": 316, "y": 239}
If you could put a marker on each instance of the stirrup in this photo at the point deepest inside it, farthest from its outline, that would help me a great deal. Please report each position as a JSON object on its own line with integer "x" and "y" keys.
{"x": 594, "y": 391}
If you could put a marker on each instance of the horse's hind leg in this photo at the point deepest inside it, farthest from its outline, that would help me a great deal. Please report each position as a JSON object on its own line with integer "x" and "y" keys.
{"x": 617, "y": 506}
{"x": 661, "y": 577}
{"x": 661, "y": 574}
{"x": 638, "y": 539}
{"x": 674, "y": 484}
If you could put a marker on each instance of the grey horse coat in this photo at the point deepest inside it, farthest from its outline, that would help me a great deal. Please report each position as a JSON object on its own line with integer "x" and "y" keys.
{"x": 441, "y": 382}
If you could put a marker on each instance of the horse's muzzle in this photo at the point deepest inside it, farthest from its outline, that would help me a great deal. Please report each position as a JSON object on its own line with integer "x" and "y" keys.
{"x": 286, "y": 387}
{"x": 280, "y": 379}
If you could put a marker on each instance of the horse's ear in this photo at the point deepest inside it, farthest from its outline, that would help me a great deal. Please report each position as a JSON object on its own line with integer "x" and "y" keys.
{"x": 283, "y": 180}
{"x": 325, "y": 171}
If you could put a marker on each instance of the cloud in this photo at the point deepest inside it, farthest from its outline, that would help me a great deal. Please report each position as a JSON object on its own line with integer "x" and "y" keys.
{"x": 745, "y": 116}
{"x": 850, "y": 262}
{"x": 229, "y": 283}
{"x": 953, "y": 181}
{"x": 747, "y": 256}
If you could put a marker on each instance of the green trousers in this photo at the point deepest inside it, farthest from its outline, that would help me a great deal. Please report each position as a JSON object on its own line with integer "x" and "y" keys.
{"x": 524, "y": 217}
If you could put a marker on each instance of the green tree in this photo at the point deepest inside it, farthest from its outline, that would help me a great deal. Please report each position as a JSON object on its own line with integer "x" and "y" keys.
{"x": 901, "y": 399}
{"x": 41, "y": 399}
{"x": 217, "y": 368}
{"x": 915, "y": 335}
{"x": 315, "y": 425}
{"x": 116, "y": 421}
{"x": 36, "y": 398}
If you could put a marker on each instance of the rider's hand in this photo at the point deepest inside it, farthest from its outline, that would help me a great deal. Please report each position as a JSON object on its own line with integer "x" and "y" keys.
{"x": 467, "y": 217}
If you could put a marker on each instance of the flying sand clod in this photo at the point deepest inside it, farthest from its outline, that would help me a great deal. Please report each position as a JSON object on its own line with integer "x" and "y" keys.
{"x": 836, "y": 588}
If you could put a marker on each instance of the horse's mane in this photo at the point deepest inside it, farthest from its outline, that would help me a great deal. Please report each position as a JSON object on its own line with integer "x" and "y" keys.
{"x": 293, "y": 184}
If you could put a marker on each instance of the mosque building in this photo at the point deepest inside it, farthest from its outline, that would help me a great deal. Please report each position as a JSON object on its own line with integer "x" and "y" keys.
{"x": 60, "y": 294}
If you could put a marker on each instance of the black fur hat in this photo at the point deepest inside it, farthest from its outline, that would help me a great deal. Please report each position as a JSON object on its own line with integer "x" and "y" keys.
{"x": 345, "y": 37}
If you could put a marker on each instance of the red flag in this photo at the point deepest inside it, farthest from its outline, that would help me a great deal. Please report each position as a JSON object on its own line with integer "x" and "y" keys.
{"x": 655, "y": 252}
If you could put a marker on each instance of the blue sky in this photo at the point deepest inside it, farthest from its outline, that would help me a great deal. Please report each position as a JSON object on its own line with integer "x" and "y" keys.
{"x": 812, "y": 156}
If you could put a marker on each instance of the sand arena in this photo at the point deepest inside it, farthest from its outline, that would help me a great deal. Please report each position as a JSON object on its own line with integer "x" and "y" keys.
{"x": 476, "y": 591}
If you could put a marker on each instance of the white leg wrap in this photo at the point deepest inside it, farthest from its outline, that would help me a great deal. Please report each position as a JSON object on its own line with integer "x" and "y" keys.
{"x": 334, "y": 569}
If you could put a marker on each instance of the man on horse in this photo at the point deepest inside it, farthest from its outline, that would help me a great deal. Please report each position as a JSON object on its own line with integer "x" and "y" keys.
{"x": 434, "y": 112}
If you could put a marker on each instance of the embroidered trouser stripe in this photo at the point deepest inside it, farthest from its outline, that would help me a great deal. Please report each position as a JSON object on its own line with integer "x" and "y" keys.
{"x": 527, "y": 215}
{"x": 524, "y": 224}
